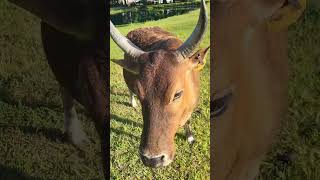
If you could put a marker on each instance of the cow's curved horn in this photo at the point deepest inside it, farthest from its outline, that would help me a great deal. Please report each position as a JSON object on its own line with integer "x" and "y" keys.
{"x": 197, "y": 35}
{"x": 124, "y": 43}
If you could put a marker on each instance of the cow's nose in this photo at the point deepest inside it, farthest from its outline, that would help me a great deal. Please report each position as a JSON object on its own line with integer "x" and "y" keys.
{"x": 155, "y": 161}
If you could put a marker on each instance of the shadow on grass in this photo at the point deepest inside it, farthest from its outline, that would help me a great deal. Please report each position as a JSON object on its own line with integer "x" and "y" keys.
{"x": 9, "y": 173}
{"x": 116, "y": 92}
{"x": 124, "y": 103}
{"x": 56, "y": 135}
{"x": 125, "y": 121}
{"x": 113, "y": 130}
{"x": 7, "y": 97}
{"x": 52, "y": 134}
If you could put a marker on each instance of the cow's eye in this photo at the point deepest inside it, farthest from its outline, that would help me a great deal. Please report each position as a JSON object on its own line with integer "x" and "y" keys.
{"x": 220, "y": 105}
{"x": 177, "y": 95}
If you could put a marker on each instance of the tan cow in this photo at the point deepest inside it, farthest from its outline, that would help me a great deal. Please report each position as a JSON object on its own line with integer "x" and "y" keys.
{"x": 162, "y": 71}
{"x": 249, "y": 82}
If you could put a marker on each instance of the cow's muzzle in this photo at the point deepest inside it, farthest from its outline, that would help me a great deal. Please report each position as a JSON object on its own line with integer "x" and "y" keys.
{"x": 155, "y": 160}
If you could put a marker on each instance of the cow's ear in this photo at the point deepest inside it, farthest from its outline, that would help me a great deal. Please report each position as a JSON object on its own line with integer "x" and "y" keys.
{"x": 279, "y": 14}
{"x": 128, "y": 65}
{"x": 198, "y": 59}
{"x": 286, "y": 15}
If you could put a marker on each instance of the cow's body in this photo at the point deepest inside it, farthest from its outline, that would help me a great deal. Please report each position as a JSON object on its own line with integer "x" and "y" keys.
{"x": 80, "y": 67}
{"x": 158, "y": 74}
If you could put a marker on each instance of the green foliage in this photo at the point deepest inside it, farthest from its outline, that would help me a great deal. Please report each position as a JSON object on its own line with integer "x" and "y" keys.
{"x": 157, "y": 7}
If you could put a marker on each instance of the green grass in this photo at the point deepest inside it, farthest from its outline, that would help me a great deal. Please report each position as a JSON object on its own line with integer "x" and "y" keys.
{"x": 31, "y": 115}
{"x": 300, "y": 138}
{"x": 126, "y": 122}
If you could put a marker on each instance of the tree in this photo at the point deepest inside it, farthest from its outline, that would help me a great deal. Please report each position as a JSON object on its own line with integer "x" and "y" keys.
{"x": 144, "y": 2}
{"x": 124, "y": 2}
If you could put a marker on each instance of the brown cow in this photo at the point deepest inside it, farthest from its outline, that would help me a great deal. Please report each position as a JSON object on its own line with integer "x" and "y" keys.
{"x": 249, "y": 83}
{"x": 74, "y": 39}
{"x": 161, "y": 70}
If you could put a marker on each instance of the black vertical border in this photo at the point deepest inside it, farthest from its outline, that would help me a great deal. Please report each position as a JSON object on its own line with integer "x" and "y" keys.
{"x": 106, "y": 130}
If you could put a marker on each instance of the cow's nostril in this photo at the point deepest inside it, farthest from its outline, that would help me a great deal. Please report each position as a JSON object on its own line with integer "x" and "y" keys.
{"x": 163, "y": 158}
{"x": 155, "y": 161}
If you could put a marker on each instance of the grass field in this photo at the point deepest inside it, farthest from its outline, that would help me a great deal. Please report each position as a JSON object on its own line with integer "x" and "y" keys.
{"x": 126, "y": 122}
{"x": 31, "y": 116}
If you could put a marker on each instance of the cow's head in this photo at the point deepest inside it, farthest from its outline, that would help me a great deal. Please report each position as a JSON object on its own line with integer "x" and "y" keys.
{"x": 249, "y": 82}
{"x": 166, "y": 81}
{"x": 250, "y": 43}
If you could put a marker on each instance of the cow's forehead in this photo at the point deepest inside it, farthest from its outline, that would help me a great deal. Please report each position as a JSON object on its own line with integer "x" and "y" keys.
{"x": 159, "y": 63}
{"x": 160, "y": 72}
{"x": 248, "y": 11}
